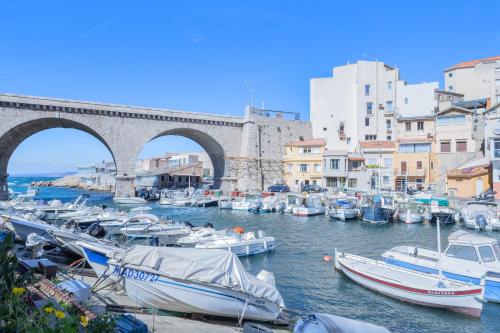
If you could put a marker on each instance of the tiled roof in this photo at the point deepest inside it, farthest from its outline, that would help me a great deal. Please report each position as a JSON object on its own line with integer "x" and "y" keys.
{"x": 307, "y": 143}
{"x": 377, "y": 144}
{"x": 471, "y": 63}
{"x": 469, "y": 172}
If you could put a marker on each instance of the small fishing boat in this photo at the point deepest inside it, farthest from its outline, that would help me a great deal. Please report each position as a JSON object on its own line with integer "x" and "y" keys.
{"x": 67, "y": 240}
{"x": 129, "y": 200}
{"x": 313, "y": 206}
{"x": 241, "y": 244}
{"x": 467, "y": 258}
{"x": 190, "y": 281}
{"x": 205, "y": 201}
{"x": 293, "y": 200}
{"x": 245, "y": 203}
{"x": 377, "y": 208}
{"x": 264, "y": 204}
{"x": 411, "y": 286}
{"x": 201, "y": 234}
{"x": 225, "y": 202}
{"x": 410, "y": 212}
{"x": 23, "y": 227}
{"x": 445, "y": 215}
{"x": 481, "y": 215}
{"x": 343, "y": 208}
{"x": 167, "y": 197}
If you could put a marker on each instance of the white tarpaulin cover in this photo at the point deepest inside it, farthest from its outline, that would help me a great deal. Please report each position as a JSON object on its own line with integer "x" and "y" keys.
{"x": 216, "y": 267}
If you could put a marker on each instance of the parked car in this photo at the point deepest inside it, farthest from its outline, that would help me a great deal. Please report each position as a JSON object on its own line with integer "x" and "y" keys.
{"x": 311, "y": 188}
{"x": 278, "y": 188}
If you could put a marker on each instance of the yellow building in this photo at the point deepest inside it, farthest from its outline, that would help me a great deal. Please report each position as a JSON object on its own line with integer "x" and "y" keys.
{"x": 469, "y": 179}
{"x": 415, "y": 163}
{"x": 303, "y": 163}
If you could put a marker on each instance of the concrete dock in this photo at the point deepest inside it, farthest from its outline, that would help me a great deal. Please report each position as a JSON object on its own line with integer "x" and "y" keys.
{"x": 111, "y": 299}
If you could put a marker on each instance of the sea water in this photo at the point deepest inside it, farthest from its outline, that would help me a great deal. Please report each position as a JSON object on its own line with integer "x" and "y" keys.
{"x": 306, "y": 282}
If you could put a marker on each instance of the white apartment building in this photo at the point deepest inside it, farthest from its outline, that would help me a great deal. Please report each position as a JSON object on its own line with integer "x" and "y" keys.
{"x": 361, "y": 101}
{"x": 475, "y": 79}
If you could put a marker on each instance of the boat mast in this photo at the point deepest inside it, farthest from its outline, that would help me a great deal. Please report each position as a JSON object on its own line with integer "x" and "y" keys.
{"x": 438, "y": 223}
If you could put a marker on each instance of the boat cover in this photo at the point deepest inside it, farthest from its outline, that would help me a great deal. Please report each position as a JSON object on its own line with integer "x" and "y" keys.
{"x": 327, "y": 323}
{"x": 216, "y": 267}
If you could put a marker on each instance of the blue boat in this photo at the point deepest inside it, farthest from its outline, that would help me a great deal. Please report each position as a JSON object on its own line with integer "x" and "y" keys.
{"x": 377, "y": 208}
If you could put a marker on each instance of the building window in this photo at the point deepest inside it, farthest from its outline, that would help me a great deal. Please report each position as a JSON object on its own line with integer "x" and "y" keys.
{"x": 389, "y": 85}
{"x": 420, "y": 126}
{"x": 419, "y": 165}
{"x": 432, "y": 165}
{"x": 367, "y": 121}
{"x": 389, "y": 138}
{"x": 348, "y": 140}
{"x": 450, "y": 74}
{"x": 296, "y": 182}
{"x": 388, "y": 124}
{"x": 369, "y": 108}
{"x": 334, "y": 164}
{"x": 390, "y": 108}
{"x": 450, "y": 120}
{"x": 415, "y": 148}
{"x": 353, "y": 182}
{"x": 314, "y": 182}
{"x": 420, "y": 183}
{"x": 303, "y": 167}
{"x": 388, "y": 163}
{"x": 331, "y": 182}
{"x": 406, "y": 100}
{"x": 445, "y": 147}
{"x": 461, "y": 146}
{"x": 497, "y": 149}
{"x": 408, "y": 126}
{"x": 386, "y": 180}
{"x": 367, "y": 90}
{"x": 324, "y": 128}
{"x": 450, "y": 87}
{"x": 317, "y": 167}
{"x": 370, "y": 137}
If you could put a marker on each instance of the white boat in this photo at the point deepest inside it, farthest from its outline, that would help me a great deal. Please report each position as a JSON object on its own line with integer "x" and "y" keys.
{"x": 242, "y": 245}
{"x": 327, "y": 323}
{"x": 467, "y": 258}
{"x": 244, "y": 203}
{"x": 293, "y": 200}
{"x": 225, "y": 202}
{"x": 264, "y": 204}
{"x": 23, "y": 227}
{"x": 411, "y": 286}
{"x": 129, "y": 200}
{"x": 481, "y": 215}
{"x": 195, "y": 281}
{"x": 200, "y": 234}
{"x": 343, "y": 208}
{"x": 136, "y": 217}
{"x": 167, "y": 197}
{"x": 410, "y": 212}
{"x": 312, "y": 206}
{"x": 67, "y": 240}
{"x": 97, "y": 256}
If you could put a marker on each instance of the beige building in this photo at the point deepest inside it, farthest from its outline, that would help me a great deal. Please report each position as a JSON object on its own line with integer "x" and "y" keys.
{"x": 379, "y": 163}
{"x": 303, "y": 163}
{"x": 470, "y": 178}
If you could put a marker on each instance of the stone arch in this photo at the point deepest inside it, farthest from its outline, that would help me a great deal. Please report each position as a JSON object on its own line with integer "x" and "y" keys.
{"x": 212, "y": 147}
{"x": 11, "y": 139}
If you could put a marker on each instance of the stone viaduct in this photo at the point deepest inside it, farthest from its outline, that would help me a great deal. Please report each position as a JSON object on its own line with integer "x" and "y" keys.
{"x": 246, "y": 152}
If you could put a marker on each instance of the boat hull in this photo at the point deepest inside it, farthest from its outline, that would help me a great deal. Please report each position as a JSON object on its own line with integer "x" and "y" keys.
{"x": 246, "y": 248}
{"x": 23, "y": 228}
{"x": 377, "y": 215}
{"x": 153, "y": 290}
{"x": 464, "y": 300}
{"x": 343, "y": 214}
{"x": 308, "y": 211}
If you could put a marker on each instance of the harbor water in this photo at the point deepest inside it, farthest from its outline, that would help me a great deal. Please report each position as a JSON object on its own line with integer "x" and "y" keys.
{"x": 309, "y": 284}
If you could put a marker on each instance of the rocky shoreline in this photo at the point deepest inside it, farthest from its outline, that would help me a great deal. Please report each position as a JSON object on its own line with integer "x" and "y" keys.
{"x": 73, "y": 182}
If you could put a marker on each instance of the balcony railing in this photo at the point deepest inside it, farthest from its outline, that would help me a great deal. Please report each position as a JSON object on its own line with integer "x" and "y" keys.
{"x": 410, "y": 172}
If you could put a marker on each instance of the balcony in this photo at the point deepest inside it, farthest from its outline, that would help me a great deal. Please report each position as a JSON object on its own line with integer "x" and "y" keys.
{"x": 410, "y": 172}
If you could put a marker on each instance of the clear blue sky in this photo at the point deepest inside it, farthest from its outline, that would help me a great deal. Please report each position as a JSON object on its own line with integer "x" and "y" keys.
{"x": 197, "y": 55}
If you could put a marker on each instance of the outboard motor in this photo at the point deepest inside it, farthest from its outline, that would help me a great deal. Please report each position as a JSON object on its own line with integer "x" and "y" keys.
{"x": 41, "y": 215}
{"x": 188, "y": 224}
{"x": 209, "y": 225}
{"x": 70, "y": 224}
{"x": 35, "y": 243}
{"x": 96, "y": 230}
{"x": 481, "y": 221}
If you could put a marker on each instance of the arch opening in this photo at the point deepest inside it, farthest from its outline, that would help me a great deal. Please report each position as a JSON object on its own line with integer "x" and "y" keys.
{"x": 178, "y": 158}
{"x": 16, "y": 158}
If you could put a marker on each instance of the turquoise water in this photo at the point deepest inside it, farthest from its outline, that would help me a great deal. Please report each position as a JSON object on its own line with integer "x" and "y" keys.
{"x": 307, "y": 283}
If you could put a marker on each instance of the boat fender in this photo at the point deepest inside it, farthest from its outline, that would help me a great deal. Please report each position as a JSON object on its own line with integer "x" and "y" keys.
{"x": 238, "y": 230}
{"x": 209, "y": 225}
{"x": 415, "y": 251}
{"x": 327, "y": 258}
{"x": 189, "y": 224}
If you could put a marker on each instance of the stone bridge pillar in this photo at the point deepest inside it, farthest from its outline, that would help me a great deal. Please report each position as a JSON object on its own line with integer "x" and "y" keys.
{"x": 4, "y": 191}
{"x": 124, "y": 186}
